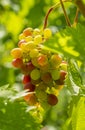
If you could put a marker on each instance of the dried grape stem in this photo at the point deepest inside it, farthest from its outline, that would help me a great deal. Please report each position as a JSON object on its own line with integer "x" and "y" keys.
{"x": 50, "y": 10}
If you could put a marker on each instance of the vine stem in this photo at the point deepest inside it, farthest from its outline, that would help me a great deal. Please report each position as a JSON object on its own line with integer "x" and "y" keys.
{"x": 76, "y": 16}
{"x": 50, "y": 10}
{"x": 65, "y": 14}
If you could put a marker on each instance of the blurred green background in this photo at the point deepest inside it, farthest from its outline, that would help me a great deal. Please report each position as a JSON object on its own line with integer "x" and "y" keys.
{"x": 15, "y": 15}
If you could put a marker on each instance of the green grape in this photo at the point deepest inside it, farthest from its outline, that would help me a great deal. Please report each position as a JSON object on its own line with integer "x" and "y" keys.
{"x": 42, "y": 86}
{"x": 35, "y": 74}
{"x": 34, "y": 62}
{"x": 41, "y": 95}
{"x": 35, "y": 82}
{"x": 38, "y": 39}
{"x": 55, "y": 60}
{"x": 63, "y": 66}
{"x": 55, "y": 74}
{"x": 34, "y": 53}
{"x": 47, "y": 33}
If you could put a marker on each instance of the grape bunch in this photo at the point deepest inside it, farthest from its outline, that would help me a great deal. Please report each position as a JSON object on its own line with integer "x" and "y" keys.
{"x": 43, "y": 71}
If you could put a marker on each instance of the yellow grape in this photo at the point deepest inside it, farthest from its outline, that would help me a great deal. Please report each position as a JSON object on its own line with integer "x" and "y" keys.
{"x": 38, "y": 39}
{"x": 27, "y": 32}
{"x": 34, "y": 53}
{"x": 27, "y": 46}
{"x": 28, "y": 38}
{"x": 21, "y": 36}
{"x": 36, "y": 31}
{"x": 47, "y": 33}
{"x": 16, "y": 52}
{"x": 21, "y": 42}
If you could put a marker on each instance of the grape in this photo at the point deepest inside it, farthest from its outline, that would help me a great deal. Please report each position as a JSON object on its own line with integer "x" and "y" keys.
{"x": 35, "y": 74}
{"x": 46, "y": 77}
{"x": 16, "y": 53}
{"x": 52, "y": 99}
{"x": 28, "y": 38}
{"x": 38, "y": 39}
{"x": 42, "y": 60}
{"x": 60, "y": 87}
{"x": 62, "y": 75}
{"x": 35, "y": 82}
{"x": 21, "y": 36}
{"x": 34, "y": 62}
{"x": 55, "y": 74}
{"x": 41, "y": 95}
{"x": 17, "y": 63}
{"x": 60, "y": 81}
{"x": 45, "y": 68}
{"x": 30, "y": 99}
{"x": 63, "y": 66}
{"x": 36, "y": 31}
{"x": 30, "y": 66}
{"x": 22, "y": 46}
{"x": 34, "y": 53}
{"x": 30, "y": 87}
{"x": 27, "y": 32}
{"x": 30, "y": 45}
{"x": 27, "y": 68}
{"x": 47, "y": 33}
{"x": 42, "y": 86}
{"x": 44, "y": 71}
{"x": 26, "y": 79}
{"x": 55, "y": 60}
{"x": 21, "y": 42}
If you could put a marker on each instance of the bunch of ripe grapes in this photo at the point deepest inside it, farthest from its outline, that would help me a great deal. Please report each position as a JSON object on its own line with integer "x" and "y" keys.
{"x": 43, "y": 71}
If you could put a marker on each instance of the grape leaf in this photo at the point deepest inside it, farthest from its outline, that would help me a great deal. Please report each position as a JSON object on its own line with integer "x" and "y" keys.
{"x": 78, "y": 115}
{"x": 70, "y": 42}
{"x": 74, "y": 80}
{"x": 15, "y": 113}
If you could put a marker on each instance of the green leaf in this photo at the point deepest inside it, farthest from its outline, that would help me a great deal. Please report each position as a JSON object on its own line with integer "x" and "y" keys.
{"x": 70, "y": 42}
{"x": 74, "y": 80}
{"x": 74, "y": 70}
{"x": 78, "y": 115}
{"x": 15, "y": 113}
